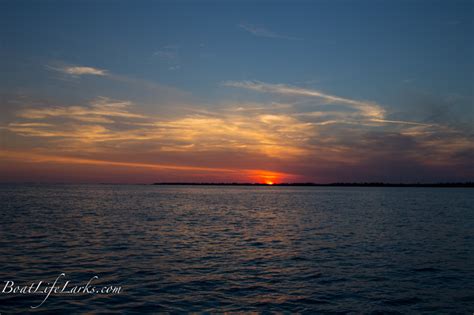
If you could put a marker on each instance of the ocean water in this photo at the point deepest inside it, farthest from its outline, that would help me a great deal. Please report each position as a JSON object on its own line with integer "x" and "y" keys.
{"x": 217, "y": 249}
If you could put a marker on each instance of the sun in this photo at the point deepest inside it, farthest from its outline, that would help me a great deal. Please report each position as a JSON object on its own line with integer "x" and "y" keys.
{"x": 268, "y": 178}
{"x": 264, "y": 177}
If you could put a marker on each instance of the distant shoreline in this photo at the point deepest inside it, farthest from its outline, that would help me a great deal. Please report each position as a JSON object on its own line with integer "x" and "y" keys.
{"x": 433, "y": 185}
{"x": 440, "y": 185}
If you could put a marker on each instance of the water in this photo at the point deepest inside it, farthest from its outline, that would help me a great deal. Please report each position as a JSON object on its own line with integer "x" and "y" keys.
{"x": 216, "y": 249}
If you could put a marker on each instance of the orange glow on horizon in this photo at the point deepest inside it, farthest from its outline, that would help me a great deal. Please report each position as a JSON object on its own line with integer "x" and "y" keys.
{"x": 247, "y": 175}
{"x": 267, "y": 177}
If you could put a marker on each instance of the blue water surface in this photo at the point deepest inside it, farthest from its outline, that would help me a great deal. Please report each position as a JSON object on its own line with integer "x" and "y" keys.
{"x": 239, "y": 249}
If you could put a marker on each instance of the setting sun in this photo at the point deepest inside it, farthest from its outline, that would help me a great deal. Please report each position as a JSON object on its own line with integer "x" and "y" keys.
{"x": 268, "y": 178}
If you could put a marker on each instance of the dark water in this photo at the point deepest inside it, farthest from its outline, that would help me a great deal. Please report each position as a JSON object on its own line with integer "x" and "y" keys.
{"x": 216, "y": 249}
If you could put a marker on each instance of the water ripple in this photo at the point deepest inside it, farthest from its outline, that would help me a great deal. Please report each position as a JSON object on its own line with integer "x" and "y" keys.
{"x": 241, "y": 249}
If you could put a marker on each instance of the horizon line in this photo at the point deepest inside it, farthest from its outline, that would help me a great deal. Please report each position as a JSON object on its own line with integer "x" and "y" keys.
{"x": 464, "y": 184}
{"x": 336, "y": 184}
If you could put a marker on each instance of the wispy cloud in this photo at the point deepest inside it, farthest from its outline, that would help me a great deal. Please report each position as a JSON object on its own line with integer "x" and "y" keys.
{"x": 99, "y": 110}
{"x": 170, "y": 55}
{"x": 369, "y": 109}
{"x": 106, "y": 120}
{"x": 169, "y": 52}
{"x": 234, "y": 137}
{"x": 263, "y": 32}
{"x": 402, "y": 122}
{"x": 80, "y": 70}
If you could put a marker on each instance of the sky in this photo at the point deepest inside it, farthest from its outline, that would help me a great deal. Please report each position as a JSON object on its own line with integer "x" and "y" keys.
{"x": 236, "y": 91}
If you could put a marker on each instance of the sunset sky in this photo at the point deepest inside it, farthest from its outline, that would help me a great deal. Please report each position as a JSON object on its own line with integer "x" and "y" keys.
{"x": 245, "y": 91}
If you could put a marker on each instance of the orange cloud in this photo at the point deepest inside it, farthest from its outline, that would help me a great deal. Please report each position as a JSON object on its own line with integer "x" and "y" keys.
{"x": 107, "y": 121}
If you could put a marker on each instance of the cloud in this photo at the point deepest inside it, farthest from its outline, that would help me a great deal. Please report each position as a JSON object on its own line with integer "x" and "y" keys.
{"x": 278, "y": 136}
{"x": 170, "y": 55}
{"x": 368, "y": 109}
{"x": 107, "y": 125}
{"x": 367, "y": 112}
{"x": 100, "y": 110}
{"x": 168, "y": 52}
{"x": 175, "y": 67}
{"x": 262, "y": 32}
{"x": 401, "y": 122}
{"x": 239, "y": 136}
{"x": 105, "y": 120}
{"x": 81, "y": 70}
